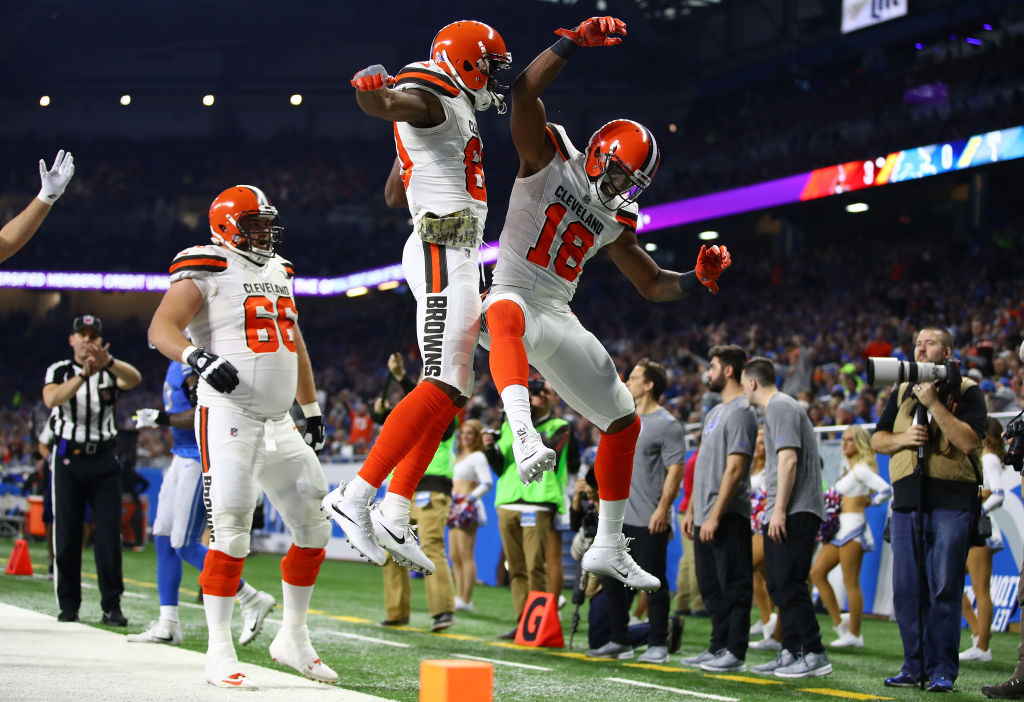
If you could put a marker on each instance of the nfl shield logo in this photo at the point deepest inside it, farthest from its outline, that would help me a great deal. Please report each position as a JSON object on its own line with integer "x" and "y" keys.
{"x": 234, "y": 431}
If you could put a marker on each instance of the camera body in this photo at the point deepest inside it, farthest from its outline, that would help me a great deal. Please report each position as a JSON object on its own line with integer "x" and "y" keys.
{"x": 536, "y": 386}
{"x": 885, "y": 371}
{"x": 1015, "y": 435}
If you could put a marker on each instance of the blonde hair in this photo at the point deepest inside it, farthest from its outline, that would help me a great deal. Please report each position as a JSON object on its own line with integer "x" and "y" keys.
{"x": 757, "y": 462}
{"x": 478, "y": 444}
{"x": 865, "y": 454}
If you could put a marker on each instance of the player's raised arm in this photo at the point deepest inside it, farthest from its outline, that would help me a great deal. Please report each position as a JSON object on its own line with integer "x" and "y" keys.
{"x": 529, "y": 119}
{"x": 660, "y": 285}
{"x": 376, "y": 98}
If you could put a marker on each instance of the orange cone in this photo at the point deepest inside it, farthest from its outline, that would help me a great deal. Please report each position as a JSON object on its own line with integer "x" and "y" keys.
{"x": 456, "y": 681}
{"x": 539, "y": 625}
{"x": 19, "y": 563}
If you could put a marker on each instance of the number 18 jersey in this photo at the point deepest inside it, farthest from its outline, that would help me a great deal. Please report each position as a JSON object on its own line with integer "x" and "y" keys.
{"x": 248, "y": 317}
{"x": 552, "y": 227}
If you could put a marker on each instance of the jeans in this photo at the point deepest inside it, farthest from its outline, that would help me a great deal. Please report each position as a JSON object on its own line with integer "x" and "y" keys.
{"x": 945, "y": 554}
{"x": 725, "y": 574}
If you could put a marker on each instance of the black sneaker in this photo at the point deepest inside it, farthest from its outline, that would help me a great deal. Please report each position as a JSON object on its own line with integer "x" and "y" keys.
{"x": 395, "y": 622}
{"x": 68, "y": 615}
{"x": 508, "y": 635}
{"x": 442, "y": 621}
{"x": 114, "y": 618}
{"x": 675, "y": 633}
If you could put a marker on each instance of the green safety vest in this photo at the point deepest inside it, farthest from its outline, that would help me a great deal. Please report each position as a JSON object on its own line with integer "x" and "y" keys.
{"x": 550, "y": 488}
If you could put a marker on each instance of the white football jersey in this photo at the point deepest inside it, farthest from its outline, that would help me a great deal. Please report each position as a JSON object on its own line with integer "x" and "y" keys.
{"x": 442, "y": 166}
{"x": 248, "y": 317}
{"x": 552, "y": 227}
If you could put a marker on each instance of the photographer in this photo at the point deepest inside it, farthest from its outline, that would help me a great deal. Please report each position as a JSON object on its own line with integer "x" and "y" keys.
{"x": 933, "y": 436}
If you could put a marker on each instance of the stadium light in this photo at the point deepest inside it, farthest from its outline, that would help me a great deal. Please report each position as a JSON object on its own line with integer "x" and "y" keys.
{"x": 672, "y": 127}
{"x": 295, "y": 99}
{"x": 208, "y": 100}
{"x": 356, "y": 292}
{"x": 126, "y": 100}
{"x": 651, "y": 246}
{"x": 390, "y": 285}
{"x": 709, "y": 235}
{"x": 918, "y": 46}
{"x": 857, "y": 207}
{"x": 972, "y": 40}
{"x": 44, "y": 101}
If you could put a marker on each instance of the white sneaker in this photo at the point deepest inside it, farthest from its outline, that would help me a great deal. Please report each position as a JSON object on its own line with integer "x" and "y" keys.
{"x": 254, "y": 613}
{"x": 400, "y": 541}
{"x": 654, "y": 654}
{"x": 292, "y": 649}
{"x": 757, "y": 629}
{"x": 769, "y": 628}
{"x": 976, "y": 654}
{"x": 532, "y": 456}
{"x": 768, "y": 644}
{"x": 354, "y": 519}
{"x": 724, "y": 662}
{"x": 615, "y": 562}
{"x": 808, "y": 665}
{"x": 462, "y": 606}
{"x": 163, "y": 631}
{"x": 844, "y": 625}
{"x": 703, "y": 657}
{"x": 228, "y": 673}
{"x": 848, "y": 640}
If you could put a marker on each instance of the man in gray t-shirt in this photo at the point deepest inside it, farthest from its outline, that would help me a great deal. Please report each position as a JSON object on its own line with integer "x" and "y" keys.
{"x": 718, "y": 515}
{"x": 794, "y": 510}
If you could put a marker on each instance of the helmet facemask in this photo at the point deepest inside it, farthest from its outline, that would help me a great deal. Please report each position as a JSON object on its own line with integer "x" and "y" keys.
{"x": 257, "y": 232}
{"x": 617, "y": 187}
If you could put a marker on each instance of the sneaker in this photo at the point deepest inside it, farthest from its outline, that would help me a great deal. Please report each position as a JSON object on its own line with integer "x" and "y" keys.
{"x": 844, "y": 625}
{"x": 902, "y": 680}
{"x": 768, "y": 644}
{"x": 674, "y": 635}
{"x": 254, "y": 612}
{"x": 395, "y": 622}
{"x": 940, "y": 683}
{"x": 400, "y": 541}
{"x": 769, "y": 628}
{"x": 562, "y": 601}
{"x": 532, "y": 456}
{"x": 725, "y": 662}
{"x": 462, "y": 606}
{"x": 808, "y": 665}
{"x": 976, "y": 654}
{"x": 353, "y": 517}
{"x": 654, "y": 654}
{"x": 442, "y": 621}
{"x": 757, "y": 629}
{"x": 227, "y": 673}
{"x": 848, "y": 640}
{"x": 292, "y": 648}
{"x": 782, "y": 659}
{"x": 68, "y": 615}
{"x": 114, "y": 617}
{"x": 1012, "y": 689}
{"x": 615, "y": 562}
{"x": 508, "y": 635}
{"x": 163, "y": 631}
{"x": 700, "y": 658}
{"x": 613, "y": 650}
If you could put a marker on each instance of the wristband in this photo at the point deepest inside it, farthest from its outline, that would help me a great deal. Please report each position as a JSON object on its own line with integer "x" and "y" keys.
{"x": 186, "y": 353}
{"x": 83, "y": 376}
{"x": 564, "y": 47}
{"x": 163, "y": 419}
{"x": 110, "y": 363}
{"x": 310, "y": 409}
{"x": 688, "y": 282}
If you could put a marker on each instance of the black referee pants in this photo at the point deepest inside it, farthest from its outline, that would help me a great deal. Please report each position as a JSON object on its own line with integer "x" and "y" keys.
{"x": 80, "y": 479}
{"x": 725, "y": 576}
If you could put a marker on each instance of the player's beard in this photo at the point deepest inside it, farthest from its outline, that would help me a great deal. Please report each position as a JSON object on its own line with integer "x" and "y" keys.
{"x": 717, "y": 384}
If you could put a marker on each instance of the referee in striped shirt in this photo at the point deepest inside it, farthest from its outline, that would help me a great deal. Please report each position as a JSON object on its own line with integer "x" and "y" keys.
{"x": 82, "y": 392}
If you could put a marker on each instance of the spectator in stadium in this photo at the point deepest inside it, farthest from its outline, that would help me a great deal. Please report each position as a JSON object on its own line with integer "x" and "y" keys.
{"x": 858, "y": 480}
{"x": 526, "y": 512}
{"x": 979, "y": 558}
{"x": 471, "y": 481}
{"x": 718, "y": 516}
{"x": 936, "y": 507}
{"x": 794, "y": 509}
{"x": 657, "y": 472}
{"x": 19, "y": 230}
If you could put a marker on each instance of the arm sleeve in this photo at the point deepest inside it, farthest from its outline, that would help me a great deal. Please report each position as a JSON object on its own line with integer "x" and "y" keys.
{"x": 993, "y": 473}
{"x": 483, "y": 476}
{"x": 877, "y": 484}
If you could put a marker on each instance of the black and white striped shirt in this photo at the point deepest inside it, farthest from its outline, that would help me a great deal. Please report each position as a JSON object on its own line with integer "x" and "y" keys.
{"x": 88, "y": 416}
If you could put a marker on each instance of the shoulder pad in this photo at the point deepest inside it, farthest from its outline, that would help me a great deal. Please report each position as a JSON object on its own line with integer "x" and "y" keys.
{"x": 289, "y": 269}
{"x": 563, "y": 145}
{"x": 198, "y": 262}
{"x": 427, "y": 75}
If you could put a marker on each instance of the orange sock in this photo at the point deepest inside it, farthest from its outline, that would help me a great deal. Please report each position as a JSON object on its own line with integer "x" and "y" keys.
{"x": 506, "y": 325}
{"x": 221, "y": 574}
{"x": 300, "y": 566}
{"x": 403, "y": 429}
{"x": 613, "y": 464}
{"x": 411, "y": 468}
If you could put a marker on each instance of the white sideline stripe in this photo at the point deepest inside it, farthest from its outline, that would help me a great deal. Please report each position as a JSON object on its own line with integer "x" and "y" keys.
{"x": 496, "y": 662}
{"x": 134, "y": 595}
{"x": 687, "y": 693}
{"x": 346, "y": 635}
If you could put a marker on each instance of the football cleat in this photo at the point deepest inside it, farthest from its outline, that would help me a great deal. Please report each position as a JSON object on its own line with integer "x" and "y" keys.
{"x": 295, "y": 650}
{"x": 254, "y": 613}
{"x": 163, "y": 631}
{"x": 354, "y": 519}
{"x": 227, "y": 673}
{"x": 532, "y": 456}
{"x": 400, "y": 541}
{"x": 615, "y": 562}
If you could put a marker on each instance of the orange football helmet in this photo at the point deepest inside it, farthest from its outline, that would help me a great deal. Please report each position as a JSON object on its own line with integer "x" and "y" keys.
{"x": 243, "y": 218}
{"x": 622, "y": 158}
{"x": 473, "y": 53}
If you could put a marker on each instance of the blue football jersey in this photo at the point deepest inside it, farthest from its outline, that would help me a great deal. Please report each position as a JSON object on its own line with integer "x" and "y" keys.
{"x": 176, "y": 400}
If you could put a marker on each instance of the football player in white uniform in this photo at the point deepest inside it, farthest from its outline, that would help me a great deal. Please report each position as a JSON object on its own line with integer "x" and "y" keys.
{"x": 439, "y": 174}
{"x": 235, "y": 298}
{"x": 565, "y": 206}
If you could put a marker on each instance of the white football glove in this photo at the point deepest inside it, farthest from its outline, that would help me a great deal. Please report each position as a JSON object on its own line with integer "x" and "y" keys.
{"x": 150, "y": 418}
{"x": 57, "y": 178}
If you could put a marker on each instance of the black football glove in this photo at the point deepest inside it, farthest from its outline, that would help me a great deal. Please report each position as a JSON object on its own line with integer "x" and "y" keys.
{"x": 314, "y": 434}
{"x": 220, "y": 374}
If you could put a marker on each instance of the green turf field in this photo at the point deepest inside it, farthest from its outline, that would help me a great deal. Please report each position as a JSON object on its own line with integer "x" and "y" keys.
{"x": 348, "y": 602}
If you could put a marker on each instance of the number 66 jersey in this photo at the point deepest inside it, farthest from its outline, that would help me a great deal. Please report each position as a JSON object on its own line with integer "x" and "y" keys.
{"x": 248, "y": 319}
{"x": 552, "y": 227}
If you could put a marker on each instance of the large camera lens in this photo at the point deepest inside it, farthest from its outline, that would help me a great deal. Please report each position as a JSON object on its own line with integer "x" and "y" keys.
{"x": 885, "y": 371}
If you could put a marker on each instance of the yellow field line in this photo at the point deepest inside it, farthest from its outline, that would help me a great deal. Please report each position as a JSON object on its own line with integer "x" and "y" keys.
{"x": 746, "y": 679}
{"x": 843, "y": 693}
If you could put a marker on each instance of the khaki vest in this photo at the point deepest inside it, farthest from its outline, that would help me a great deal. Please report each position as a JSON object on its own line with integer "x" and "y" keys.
{"x": 942, "y": 459}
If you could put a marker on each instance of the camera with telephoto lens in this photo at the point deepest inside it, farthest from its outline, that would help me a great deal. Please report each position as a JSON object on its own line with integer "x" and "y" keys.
{"x": 885, "y": 371}
{"x": 1015, "y": 435}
